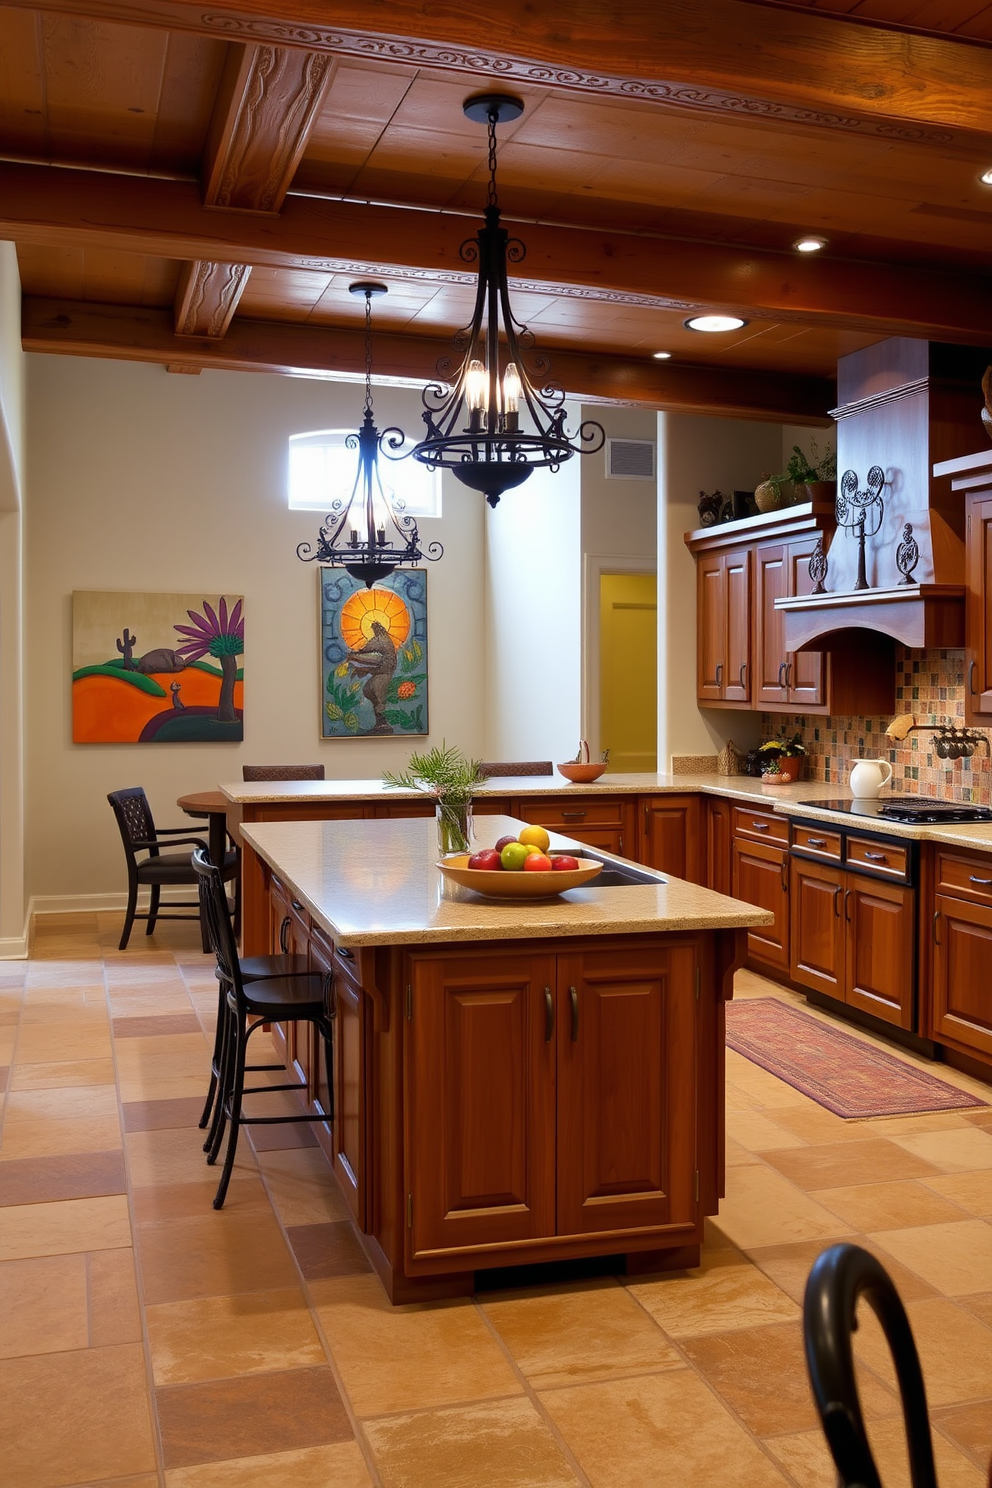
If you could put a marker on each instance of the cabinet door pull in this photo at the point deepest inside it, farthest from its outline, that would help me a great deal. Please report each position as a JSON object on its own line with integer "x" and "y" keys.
{"x": 880, "y": 858}
{"x": 575, "y": 815}
{"x": 972, "y": 669}
{"x": 743, "y": 676}
{"x": 781, "y": 674}
{"x": 344, "y": 951}
{"x": 573, "y": 998}
{"x": 297, "y": 906}
{"x": 785, "y": 875}
{"x": 719, "y": 674}
{"x": 936, "y": 922}
{"x": 985, "y": 882}
{"x": 284, "y": 936}
{"x": 816, "y": 841}
{"x": 549, "y": 1016}
{"x": 837, "y": 900}
{"x": 761, "y": 826}
{"x": 847, "y": 905}
{"x": 788, "y": 674}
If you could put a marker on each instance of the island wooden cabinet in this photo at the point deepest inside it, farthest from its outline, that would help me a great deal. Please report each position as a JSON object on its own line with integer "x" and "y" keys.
{"x": 551, "y": 1095}
{"x": 671, "y": 835}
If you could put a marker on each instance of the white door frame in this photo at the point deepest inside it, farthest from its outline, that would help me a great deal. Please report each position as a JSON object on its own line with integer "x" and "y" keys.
{"x": 594, "y": 565}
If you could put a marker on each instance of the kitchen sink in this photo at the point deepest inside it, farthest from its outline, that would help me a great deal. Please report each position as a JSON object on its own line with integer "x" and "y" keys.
{"x": 613, "y": 877}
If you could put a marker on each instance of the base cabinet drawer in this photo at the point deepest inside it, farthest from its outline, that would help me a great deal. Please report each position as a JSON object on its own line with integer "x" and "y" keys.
{"x": 599, "y": 821}
{"x": 962, "y": 989}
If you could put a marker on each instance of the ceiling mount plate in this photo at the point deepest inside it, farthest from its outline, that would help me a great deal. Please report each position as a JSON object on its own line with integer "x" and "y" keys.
{"x": 481, "y": 106}
{"x": 369, "y": 287}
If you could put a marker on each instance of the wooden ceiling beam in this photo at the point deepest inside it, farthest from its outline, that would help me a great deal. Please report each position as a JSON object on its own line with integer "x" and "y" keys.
{"x": 127, "y": 333}
{"x": 725, "y": 58}
{"x": 58, "y": 208}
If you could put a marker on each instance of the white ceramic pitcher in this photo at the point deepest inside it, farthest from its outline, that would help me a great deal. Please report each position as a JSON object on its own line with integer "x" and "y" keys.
{"x": 868, "y": 776}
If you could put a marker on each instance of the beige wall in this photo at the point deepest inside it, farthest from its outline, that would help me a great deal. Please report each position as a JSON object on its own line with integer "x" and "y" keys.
{"x": 144, "y": 480}
{"x": 12, "y": 365}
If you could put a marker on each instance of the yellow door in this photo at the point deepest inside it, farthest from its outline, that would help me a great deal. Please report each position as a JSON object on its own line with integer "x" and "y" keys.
{"x": 628, "y": 678}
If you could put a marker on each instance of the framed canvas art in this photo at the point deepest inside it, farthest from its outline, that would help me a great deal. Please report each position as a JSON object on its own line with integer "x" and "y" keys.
{"x": 373, "y": 654}
{"x": 157, "y": 668}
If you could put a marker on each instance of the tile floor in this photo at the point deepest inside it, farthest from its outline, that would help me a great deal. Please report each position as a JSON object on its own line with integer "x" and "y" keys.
{"x": 147, "y": 1342}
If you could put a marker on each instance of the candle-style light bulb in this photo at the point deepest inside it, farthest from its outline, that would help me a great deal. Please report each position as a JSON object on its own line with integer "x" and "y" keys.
{"x": 476, "y": 385}
{"x": 511, "y": 396}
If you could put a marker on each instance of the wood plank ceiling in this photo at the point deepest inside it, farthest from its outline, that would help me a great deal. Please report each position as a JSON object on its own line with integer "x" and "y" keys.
{"x": 199, "y": 188}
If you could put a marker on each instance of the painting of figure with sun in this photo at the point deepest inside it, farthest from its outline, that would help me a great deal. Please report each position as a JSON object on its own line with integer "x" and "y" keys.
{"x": 373, "y": 650}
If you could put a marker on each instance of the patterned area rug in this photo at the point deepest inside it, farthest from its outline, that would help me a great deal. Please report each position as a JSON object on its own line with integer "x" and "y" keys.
{"x": 850, "y": 1078}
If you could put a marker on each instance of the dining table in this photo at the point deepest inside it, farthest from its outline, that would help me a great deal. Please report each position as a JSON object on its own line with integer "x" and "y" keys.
{"x": 213, "y": 805}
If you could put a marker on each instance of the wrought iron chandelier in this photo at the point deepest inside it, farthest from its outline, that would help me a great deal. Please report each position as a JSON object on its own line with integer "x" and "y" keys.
{"x": 370, "y": 533}
{"x": 474, "y": 417}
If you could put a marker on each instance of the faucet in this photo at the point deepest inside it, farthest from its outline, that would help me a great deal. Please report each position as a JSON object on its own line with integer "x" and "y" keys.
{"x": 949, "y": 743}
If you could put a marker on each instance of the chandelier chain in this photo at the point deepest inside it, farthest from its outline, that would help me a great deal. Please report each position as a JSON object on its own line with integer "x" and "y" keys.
{"x": 493, "y": 121}
{"x": 368, "y": 351}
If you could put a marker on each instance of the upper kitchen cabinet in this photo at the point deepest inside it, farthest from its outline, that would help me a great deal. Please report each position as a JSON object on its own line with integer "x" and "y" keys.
{"x": 972, "y": 477}
{"x": 723, "y": 627}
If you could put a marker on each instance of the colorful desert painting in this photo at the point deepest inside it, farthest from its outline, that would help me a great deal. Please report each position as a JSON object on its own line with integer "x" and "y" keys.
{"x": 157, "y": 668}
{"x": 373, "y": 649}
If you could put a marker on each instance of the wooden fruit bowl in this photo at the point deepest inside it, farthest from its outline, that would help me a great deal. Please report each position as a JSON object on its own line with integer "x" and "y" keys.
{"x": 581, "y": 774}
{"x": 520, "y": 885}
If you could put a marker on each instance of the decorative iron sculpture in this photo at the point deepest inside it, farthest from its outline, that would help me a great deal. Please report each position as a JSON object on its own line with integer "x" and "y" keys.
{"x": 818, "y": 568}
{"x": 907, "y": 554}
{"x": 369, "y": 533}
{"x": 861, "y": 511}
{"x": 473, "y": 419}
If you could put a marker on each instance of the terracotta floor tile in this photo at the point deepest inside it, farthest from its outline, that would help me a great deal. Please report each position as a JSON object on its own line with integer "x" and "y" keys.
{"x": 953, "y": 1258}
{"x": 727, "y": 1291}
{"x": 65, "y": 1072}
{"x": 175, "y": 1155}
{"x": 790, "y": 1265}
{"x": 43, "y": 1306}
{"x": 979, "y": 1303}
{"x": 761, "y": 1374}
{"x": 115, "y": 1316}
{"x": 660, "y": 1420}
{"x": 814, "y": 1124}
{"x": 407, "y": 1358}
{"x": 970, "y": 1428}
{"x": 148, "y": 1084}
{"x": 275, "y": 1138}
{"x": 42, "y": 1042}
{"x": 76, "y": 1175}
{"x": 146, "y": 1027}
{"x": 884, "y": 1206}
{"x": 136, "y": 1480}
{"x": 763, "y": 1208}
{"x": 218, "y": 1337}
{"x": 964, "y": 1150}
{"x": 76, "y": 1119}
{"x": 64, "y": 1227}
{"x": 808, "y": 1460}
{"x": 736, "y": 1155}
{"x": 180, "y": 1053}
{"x": 324, "y": 1250}
{"x": 339, "y": 1465}
{"x": 757, "y": 1132}
{"x": 502, "y": 1444}
{"x": 218, "y": 1254}
{"x": 302, "y": 1187}
{"x": 905, "y": 1126}
{"x": 193, "y": 1200}
{"x": 157, "y": 1115}
{"x": 829, "y": 1166}
{"x": 74, "y": 1418}
{"x": 573, "y": 1334}
{"x": 955, "y": 1350}
{"x": 220, "y": 1419}
{"x": 769, "y": 1091}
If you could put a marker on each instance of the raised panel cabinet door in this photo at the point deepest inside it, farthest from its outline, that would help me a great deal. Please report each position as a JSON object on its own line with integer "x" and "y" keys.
{"x": 711, "y": 627}
{"x": 480, "y": 1101}
{"x": 351, "y": 1081}
{"x": 978, "y": 612}
{"x": 289, "y": 934}
{"x": 881, "y": 961}
{"x": 627, "y": 1080}
{"x": 771, "y": 582}
{"x": 806, "y": 674}
{"x": 817, "y": 926}
{"x": 737, "y": 676}
{"x": 671, "y": 836}
{"x": 962, "y": 989}
{"x": 760, "y": 876}
{"x": 719, "y": 829}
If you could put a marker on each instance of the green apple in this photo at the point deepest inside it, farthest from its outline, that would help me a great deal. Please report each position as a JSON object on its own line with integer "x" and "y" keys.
{"x": 514, "y": 856}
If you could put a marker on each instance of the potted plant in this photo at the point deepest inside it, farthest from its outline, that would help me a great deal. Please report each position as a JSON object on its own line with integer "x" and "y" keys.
{"x": 781, "y": 760}
{"x": 813, "y": 476}
{"x": 444, "y": 773}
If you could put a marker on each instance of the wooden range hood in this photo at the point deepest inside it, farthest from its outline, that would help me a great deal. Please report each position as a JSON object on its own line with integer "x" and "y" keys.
{"x": 904, "y": 405}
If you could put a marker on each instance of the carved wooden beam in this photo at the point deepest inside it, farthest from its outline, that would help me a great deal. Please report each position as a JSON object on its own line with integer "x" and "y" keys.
{"x": 143, "y": 335}
{"x": 724, "y": 58}
{"x": 268, "y": 101}
{"x": 80, "y": 209}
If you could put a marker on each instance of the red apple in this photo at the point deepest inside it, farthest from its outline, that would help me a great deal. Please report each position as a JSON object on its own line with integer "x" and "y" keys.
{"x": 487, "y": 858}
{"x": 537, "y": 863}
{"x": 565, "y": 863}
{"x": 504, "y": 842}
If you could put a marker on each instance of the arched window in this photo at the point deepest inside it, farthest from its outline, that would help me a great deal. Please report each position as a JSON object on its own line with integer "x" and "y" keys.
{"x": 321, "y": 466}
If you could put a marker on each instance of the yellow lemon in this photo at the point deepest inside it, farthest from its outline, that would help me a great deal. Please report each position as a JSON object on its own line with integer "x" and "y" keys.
{"x": 531, "y": 848}
{"x": 535, "y": 837}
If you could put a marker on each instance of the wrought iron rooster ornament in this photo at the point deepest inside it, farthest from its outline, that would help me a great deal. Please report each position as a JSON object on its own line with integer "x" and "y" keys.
{"x": 861, "y": 511}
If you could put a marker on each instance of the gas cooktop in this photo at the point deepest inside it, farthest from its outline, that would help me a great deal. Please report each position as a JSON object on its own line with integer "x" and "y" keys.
{"x": 908, "y": 809}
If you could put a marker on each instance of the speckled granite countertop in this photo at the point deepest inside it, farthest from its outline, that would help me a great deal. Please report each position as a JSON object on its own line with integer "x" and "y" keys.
{"x": 375, "y": 883}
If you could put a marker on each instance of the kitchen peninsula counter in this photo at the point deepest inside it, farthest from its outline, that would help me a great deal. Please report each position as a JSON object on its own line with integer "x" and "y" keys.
{"x": 513, "y": 1082}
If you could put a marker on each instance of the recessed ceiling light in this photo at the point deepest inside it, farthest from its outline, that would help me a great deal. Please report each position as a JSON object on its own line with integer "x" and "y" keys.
{"x": 809, "y": 244}
{"x": 714, "y": 323}
{"x": 661, "y": 356}
{"x": 986, "y": 177}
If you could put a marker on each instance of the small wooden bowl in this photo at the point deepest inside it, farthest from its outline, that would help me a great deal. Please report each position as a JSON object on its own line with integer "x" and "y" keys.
{"x": 581, "y": 774}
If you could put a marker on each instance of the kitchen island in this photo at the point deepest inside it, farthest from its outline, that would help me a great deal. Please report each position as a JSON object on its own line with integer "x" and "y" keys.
{"x": 513, "y": 1082}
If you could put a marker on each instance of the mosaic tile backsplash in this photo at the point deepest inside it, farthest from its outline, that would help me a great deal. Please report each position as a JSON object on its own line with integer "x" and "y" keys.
{"x": 930, "y": 685}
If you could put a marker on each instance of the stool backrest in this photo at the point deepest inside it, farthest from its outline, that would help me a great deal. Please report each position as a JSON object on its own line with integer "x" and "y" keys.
{"x": 282, "y": 772}
{"x": 217, "y": 918}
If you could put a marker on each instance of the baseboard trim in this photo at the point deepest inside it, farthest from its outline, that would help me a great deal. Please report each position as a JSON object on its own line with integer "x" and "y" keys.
{"x": 48, "y": 904}
{"x": 13, "y": 947}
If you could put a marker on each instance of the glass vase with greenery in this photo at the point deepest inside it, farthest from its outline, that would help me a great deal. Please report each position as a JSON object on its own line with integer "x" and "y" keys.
{"x": 446, "y": 774}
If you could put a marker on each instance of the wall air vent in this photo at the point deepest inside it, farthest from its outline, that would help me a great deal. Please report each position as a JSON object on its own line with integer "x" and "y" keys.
{"x": 630, "y": 459}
